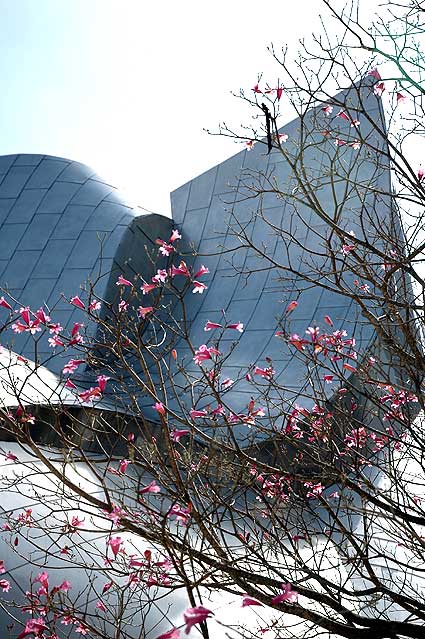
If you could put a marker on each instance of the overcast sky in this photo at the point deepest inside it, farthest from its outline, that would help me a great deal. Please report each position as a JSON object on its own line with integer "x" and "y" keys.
{"x": 127, "y": 86}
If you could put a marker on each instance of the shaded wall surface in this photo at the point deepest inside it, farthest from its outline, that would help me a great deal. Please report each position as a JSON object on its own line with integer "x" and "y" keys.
{"x": 255, "y": 200}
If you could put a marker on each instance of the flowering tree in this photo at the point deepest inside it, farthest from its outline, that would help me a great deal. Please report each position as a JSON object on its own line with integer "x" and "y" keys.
{"x": 166, "y": 506}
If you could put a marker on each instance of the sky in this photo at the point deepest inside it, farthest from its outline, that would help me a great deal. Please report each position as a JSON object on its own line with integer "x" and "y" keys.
{"x": 128, "y": 86}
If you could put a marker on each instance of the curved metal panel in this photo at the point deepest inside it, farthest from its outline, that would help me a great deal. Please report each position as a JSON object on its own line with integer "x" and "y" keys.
{"x": 62, "y": 226}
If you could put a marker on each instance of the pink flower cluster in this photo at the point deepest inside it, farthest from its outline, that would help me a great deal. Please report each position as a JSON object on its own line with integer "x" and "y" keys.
{"x": 204, "y": 353}
{"x": 31, "y": 322}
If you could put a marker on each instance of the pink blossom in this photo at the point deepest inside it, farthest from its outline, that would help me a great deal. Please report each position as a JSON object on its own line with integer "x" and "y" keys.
{"x": 25, "y": 418}
{"x": 298, "y": 342}
{"x": 76, "y": 339}
{"x": 121, "y": 281}
{"x": 25, "y": 314}
{"x": 421, "y": 173}
{"x": 350, "y": 368}
{"x": 175, "y": 235}
{"x": 199, "y": 287}
{"x": 375, "y": 74}
{"x": 315, "y": 489}
{"x": 174, "y": 633}
{"x": 160, "y": 277}
{"x": 72, "y": 366}
{"x": 160, "y": 408}
{"x": 147, "y": 288}
{"x": 123, "y": 465}
{"x": 339, "y": 142}
{"x": 279, "y": 92}
{"x": 327, "y": 110}
{"x": 182, "y": 514}
{"x": 192, "y": 616}
{"x": 194, "y": 414}
{"x": 165, "y": 249}
{"x": 347, "y": 248}
{"x": 18, "y": 327}
{"x": 123, "y": 306}
{"x": 116, "y": 514}
{"x": 328, "y": 320}
{"x": 266, "y": 373}
{"x": 30, "y": 326}
{"x": 256, "y": 89}
{"x": 249, "y": 601}
{"x": 55, "y": 341}
{"x": 150, "y": 488}
{"x": 355, "y": 145}
{"x": 33, "y": 627}
{"x": 297, "y": 538}
{"x": 379, "y": 89}
{"x": 237, "y": 327}
{"x": 328, "y": 379}
{"x": 2, "y": 568}
{"x": 249, "y": 144}
{"x": 107, "y": 587}
{"x": 287, "y": 595}
{"x": 218, "y": 411}
{"x": 401, "y": 98}
{"x": 9, "y": 457}
{"x": 314, "y": 332}
{"x": 26, "y": 516}
{"x": 176, "y": 434}
{"x": 343, "y": 115}
{"x": 203, "y": 270}
{"x": 69, "y": 384}
{"x": 102, "y": 380}
{"x": 77, "y": 302}
{"x": 181, "y": 269}
{"x": 283, "y": 137}
{"x": 5, "y": 304}
{"x": 203, "y": 353}
{"x": 211, "y": 325}
{"x": 54, "y": 329}
{"x": 81, "y": 629}
{"x": 227, "y": 383}
{"x": 76, "y": 523}
{"x": 357, "y": 438}
{"x": 115, "y": 544}
{"x": 95, "y": 306}
{"x": 43, "y": 579}
{"x": 101, "y": 606}
{"x": 4, "y": 584}
{"x": 133, "y": 579}
{"x": 291, "y": 307}
{"x": 65, "y": 586}
{"x": 142, "y": 311}
{"x": 41, "y": 315}
{"x": 259, "y": 412}
{"x": 355, "y": 123}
